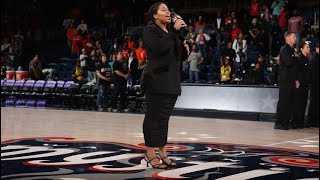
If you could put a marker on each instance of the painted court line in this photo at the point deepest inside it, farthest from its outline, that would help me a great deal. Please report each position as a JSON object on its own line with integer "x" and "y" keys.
{"x": 290, "y": 141}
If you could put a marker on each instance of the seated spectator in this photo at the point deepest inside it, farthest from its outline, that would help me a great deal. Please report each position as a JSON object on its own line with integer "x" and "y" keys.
{"x": 125, "y": 51}
{"x": 78, "y": 74}
{"x": 226, "y": 72}
{"x": 35, "y": 70}
{"x": 115, "y": 47}
{"x": 257, "y": 75}
{"x": 194, "y": 60}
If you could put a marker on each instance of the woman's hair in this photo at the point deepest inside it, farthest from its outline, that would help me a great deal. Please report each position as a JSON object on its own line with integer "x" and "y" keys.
{"x": 302, "y": 45}
{"x": 153, "y": 10}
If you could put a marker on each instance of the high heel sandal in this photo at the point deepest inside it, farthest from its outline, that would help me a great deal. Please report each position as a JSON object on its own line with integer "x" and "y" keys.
{"x": 156, "y": 166}
{"x": 171, "y": 164}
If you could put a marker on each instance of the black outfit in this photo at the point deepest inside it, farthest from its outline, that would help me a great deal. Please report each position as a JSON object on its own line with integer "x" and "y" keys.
{"x": 135, "y": 72}
{"x": 231, "y": 53}
{"x": 313, "y": 114}
{"x": 257, "y": 76}
{"x": 301, "y": 94}
{"x": 103, "y": 85}
{"x": 160, "y": 81}
{"x": 120, "y": 84}
{"x": 287, "y": 78}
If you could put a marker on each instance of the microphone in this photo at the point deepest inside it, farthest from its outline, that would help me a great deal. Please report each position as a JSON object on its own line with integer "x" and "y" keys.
{"x": 174, "y": 17}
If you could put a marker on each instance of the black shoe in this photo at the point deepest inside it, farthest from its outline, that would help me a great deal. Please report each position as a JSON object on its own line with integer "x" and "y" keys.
{"x": 277, "y": 126}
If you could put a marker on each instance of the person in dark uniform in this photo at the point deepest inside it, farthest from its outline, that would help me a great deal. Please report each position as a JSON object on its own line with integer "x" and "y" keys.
{"x": 287, "y": 82}
{"x": 120, "y": 77}
{"x": 160, "y": 80}
{"x": 104, "y": 73}
{"x": 313, "y": 114}
{"x": 301, "y": 93}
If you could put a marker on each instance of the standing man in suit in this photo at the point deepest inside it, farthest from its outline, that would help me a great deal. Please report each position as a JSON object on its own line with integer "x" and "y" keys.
{"x": 160, "y": 80}
{"x": 287, "y": 82}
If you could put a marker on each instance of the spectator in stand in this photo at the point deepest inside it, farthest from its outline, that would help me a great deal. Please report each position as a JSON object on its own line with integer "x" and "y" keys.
{"x": 255, "y": 9}
{"x": 131, "y": 43}
{"x": 5, "y": 44}
{"x": 78, "y": 74}
{"x": 83, "y": 61}
{"x": 134, "y": 71}
{"x": 82, "y": 27}
{"x": 203, "y": 48}
{"x": 226, "y": 72}
{"x": 229, "y": 52}
{"x": 71, "y": 33}
{"x": 66, "y": 22}
{"x": 194, "y": 60}
{"x": 269, "y": 28}
{"x": 190, "y": 24}
{"x": 91, "y": 69}
{"x": 222, "y": 38}
{"x": 230, "y": 19}
{"x": 104, "y": 73}
{"x": 296, "y": 23}
{"x": 112, "y": 60}
{"x": 257, "y": 75}
{"x": 35, "y": 70}
{"x": 88, "y": 43}
{"x": 202, "y": 33}
{"x": 276, "y": 8}
{"x": 11, "y": 59}
{"x": 219, "y": 21}
{"x": 141, "y": 54}
{"x": 283, "y": 22}
{"x": 240, "y": 46}
{"x": 76, "y": 45}
{"x": 254, "y": 31}
{"x": 199, "y": 24}
{"x": 120, "y": 77}
{"x": 125, "y": 51}
{"x": 115, "y": 47}
{"x": 235, "y": 32}
{"x": 191, "y": 35}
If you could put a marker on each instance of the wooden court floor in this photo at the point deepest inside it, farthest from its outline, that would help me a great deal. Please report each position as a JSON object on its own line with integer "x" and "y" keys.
{"x": 19, "y": 123}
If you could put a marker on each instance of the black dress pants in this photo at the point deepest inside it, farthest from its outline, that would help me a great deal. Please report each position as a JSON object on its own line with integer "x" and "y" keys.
{"x": 285, "y": 104}
{"x": 300, "y": 104}
{"x": 156, "y": 120}
{"x": 119, "y": 88}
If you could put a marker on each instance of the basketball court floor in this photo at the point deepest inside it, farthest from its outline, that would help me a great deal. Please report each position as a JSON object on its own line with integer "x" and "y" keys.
{"x": 81, "y": 145}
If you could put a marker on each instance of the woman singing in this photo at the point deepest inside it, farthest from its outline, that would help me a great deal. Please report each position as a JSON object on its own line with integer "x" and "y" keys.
{"x": 160, "y": 80}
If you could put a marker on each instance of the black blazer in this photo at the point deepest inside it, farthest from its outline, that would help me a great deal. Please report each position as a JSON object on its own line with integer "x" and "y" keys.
{"x": 164, "y": 51}
{"x": 303, "y": 70}
{"x": 287, "y": 70}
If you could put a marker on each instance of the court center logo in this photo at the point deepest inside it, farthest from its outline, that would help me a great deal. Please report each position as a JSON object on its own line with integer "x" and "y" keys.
{"x": 67, "y": 158}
